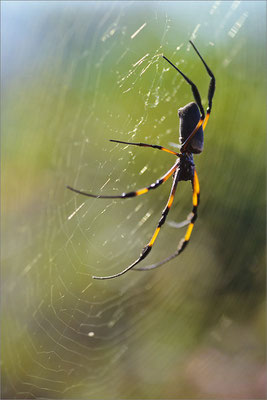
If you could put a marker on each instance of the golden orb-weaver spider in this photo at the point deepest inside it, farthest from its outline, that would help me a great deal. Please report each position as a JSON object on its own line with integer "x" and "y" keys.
{"x": 192, "y": 124}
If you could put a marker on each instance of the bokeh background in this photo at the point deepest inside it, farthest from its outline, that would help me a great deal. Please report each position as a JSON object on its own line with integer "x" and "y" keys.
{"x": 74, "y": 75}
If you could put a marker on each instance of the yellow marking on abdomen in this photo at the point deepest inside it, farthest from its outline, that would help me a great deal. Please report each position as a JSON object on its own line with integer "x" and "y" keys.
{"x": 194, "y": 199}
{"x": 188, "y": 232}
{"x": 154, "y": 237}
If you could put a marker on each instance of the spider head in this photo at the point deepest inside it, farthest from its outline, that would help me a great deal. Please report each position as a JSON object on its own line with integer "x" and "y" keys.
{"x": 189, "y": 116}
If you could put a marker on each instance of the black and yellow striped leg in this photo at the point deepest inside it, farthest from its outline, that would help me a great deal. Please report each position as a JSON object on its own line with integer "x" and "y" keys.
{"x": 146, "y": 250}
{"x": 154, "y": 185}
{"x": 211, "y": 86}
{"x": 184, "y": 242}
{"x": 154, "y": 146}
{"x": 193, "y": 88}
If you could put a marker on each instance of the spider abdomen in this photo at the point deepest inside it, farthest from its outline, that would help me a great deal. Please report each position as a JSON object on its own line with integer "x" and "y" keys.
{"x": 189, "y": 117}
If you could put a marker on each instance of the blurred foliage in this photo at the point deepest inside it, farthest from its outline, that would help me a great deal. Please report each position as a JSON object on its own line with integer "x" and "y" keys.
{"x": 70, "y": 81}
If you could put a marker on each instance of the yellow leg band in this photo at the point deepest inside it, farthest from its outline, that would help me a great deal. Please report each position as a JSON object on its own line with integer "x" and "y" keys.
{"x": 188, "y": 232}
{"x": 196, "y": 184}
{"x": 170, "y": 201}
{"x": 194, "y": 199}
{"x": 154, "y": 237}
{"x": 141, "y": 191}
{"x": 205, "y": 121}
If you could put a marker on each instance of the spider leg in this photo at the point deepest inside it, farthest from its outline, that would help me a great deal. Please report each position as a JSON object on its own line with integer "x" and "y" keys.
{"x": 154, "y": 185}
{"x": 184, "y": 242}
{"x": 210, "y": 95}
{"x": 154, "y": 146}
{"x": 211, "y": 86}
{"x": 146, "y": 250}
{"x": 181, "y": 224}
{"x": 193, "y": 88}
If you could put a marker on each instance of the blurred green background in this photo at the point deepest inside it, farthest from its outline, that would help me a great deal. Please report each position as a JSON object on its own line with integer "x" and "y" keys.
{"x": 74, "y": 75}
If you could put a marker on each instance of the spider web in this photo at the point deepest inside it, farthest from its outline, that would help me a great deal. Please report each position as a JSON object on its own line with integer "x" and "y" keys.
{"x": 74, "y": 76}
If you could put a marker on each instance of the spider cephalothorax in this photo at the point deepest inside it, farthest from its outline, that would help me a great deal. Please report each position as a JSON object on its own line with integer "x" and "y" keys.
{"x": 187, "y": 167}
{"x": 192, "y": 124}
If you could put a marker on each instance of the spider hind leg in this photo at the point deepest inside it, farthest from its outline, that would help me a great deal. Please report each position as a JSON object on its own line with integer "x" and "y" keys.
{"x": 184, "y": 242}
{"x": 146, "y": 250}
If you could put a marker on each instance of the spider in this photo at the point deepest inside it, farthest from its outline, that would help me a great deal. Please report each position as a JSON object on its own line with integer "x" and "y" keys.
{"x": 192, "y": 124}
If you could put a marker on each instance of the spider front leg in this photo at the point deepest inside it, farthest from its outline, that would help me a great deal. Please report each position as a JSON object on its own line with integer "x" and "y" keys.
{"x": 127, "y": 195}
{"x": 146, "y": 250}
{"x": 211, "y": 86}
{"x": 153, "y": 146}
{"x": 203, "y": 119}
{"x": 184, "y": 242}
